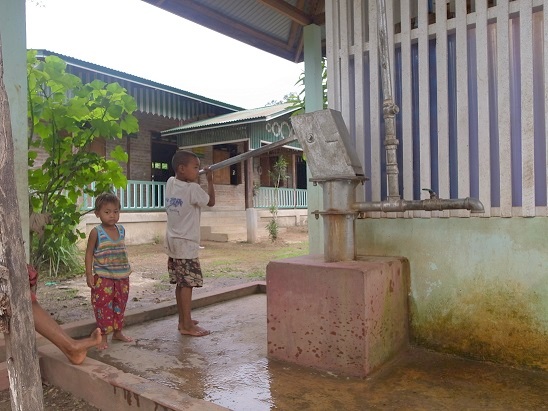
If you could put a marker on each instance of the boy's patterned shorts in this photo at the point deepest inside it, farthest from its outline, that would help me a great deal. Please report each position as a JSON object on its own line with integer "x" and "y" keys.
{"x": 185, "y": 272}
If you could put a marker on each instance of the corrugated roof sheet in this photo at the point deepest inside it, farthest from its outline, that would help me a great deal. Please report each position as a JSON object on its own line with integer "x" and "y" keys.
{"x": 274, "y": 26}
{"x": 254, "y": 14}
{"x": 136, "y": 80}
{"x": 240, "y": 117}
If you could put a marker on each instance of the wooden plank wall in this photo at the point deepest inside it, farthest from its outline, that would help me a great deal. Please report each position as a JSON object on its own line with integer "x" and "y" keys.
{"x": 473, "y": 84}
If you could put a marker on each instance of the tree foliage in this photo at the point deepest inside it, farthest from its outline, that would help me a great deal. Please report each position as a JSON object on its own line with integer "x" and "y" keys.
{"x": 285, "y": 99}
{"x": 65, "y": 117}
{"x": 298, "y": 99}
{"x": 277, "y": 175}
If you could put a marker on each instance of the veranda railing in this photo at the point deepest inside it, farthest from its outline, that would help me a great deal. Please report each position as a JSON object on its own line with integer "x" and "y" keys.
{"x": 150, "y": 196}
{"x": 265, "y": 197}
{"x": 137, "y": 196}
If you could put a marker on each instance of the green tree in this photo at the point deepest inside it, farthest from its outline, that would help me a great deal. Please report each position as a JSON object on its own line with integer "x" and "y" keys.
{"x": 298, "y": 99}
{"x": 277, "y": 175}
{"x": 291, "y": 96}
{"x": 65, "y": 117}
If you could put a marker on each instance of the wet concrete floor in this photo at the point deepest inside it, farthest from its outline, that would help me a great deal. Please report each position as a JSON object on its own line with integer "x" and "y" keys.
{"x": 230, "y": 368}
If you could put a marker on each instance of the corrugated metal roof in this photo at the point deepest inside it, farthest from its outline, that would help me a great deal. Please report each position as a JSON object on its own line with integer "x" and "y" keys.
{"x": 261, "y": 114}
{"x": 256, "y": 15}
{"x": 275, "y": 26}
{"x": 126, "y": 77}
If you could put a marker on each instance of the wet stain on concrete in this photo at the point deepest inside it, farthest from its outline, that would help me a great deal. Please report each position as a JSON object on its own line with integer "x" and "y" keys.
{"x": 485, "y": 320}
{"x": 230, "y": 368}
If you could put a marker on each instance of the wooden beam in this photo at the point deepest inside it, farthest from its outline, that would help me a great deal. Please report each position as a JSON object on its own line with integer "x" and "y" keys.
{"x": 317, "y": 12}
{"x": 296, "y": 33}
{"x": 295, "y": 14}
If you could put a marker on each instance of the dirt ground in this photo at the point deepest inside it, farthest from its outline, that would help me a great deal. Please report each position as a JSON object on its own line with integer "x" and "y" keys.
{"x": 223, "y": 265}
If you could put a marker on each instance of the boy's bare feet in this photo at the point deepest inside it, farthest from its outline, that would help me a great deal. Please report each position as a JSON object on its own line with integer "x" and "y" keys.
{"x": 195, "y": 331}
{"x": 117, "y": 335}
{"x": 78, "y": 352}
{"x": 195, "y": 322}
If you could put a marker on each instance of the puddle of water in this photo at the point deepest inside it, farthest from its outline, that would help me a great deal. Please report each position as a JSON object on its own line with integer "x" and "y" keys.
{"x": 230, "y": 368}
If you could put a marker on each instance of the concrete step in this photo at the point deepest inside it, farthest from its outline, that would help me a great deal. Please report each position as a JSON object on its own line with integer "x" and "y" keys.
{"x": 223, "y": 215}
{"x": 223, "y": 226}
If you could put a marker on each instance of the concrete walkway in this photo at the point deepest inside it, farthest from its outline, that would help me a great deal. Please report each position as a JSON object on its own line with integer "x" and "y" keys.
{"x": 230, "y": 369}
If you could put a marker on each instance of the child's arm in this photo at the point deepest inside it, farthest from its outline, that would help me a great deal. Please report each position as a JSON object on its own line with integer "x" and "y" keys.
{"x": 210, "y": 187}
{"x": 92, "y": 240}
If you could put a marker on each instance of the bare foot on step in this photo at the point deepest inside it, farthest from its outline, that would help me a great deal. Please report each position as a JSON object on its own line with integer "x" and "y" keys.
{"x": 103, "y": 345}
{"x": 121, "y": 337}
{"x": 195, "y": 331}
{"x": 77, "y": 353}
{"x": 195, "y": 322}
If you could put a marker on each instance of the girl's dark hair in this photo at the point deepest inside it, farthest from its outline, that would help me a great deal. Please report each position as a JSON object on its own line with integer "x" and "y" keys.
{"x": 106, "y": 198}
{"x": 182, "y": 157}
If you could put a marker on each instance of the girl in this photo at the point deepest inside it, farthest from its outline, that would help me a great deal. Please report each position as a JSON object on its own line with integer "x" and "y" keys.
{"x": 108, "y": 269}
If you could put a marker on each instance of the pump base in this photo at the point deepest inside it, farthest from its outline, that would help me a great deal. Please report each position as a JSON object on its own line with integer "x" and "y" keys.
{"x": 347, "y": 317}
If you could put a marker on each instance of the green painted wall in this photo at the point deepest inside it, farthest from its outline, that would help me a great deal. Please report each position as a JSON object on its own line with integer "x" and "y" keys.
{"x": 479, "y": 286}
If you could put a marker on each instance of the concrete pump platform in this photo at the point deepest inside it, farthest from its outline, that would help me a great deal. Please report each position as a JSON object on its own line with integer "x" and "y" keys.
{"x": 229, "y": 369}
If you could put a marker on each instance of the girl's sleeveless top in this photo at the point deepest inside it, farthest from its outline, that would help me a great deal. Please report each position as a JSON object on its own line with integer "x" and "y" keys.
{"x": 110, "y": 257}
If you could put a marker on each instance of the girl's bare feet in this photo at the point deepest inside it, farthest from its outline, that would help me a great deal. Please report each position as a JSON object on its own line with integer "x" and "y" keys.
{"x": 78, "y": 352}
{"x": 117, "y": 335}
{"x": 103, "y": 343}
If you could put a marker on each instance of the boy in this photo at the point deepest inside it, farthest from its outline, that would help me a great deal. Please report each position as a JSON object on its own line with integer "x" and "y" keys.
{"x": 184, "y": 200}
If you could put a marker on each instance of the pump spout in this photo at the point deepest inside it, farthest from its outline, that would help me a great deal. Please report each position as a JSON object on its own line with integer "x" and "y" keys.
{"x": 431, "y": 204}
{"x": 476, "y": 206}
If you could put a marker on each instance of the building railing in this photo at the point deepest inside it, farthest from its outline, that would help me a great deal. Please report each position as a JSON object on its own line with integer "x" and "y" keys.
{"x": 265, "y": 197}
{"x": 150, "y": 196}
{"x": 137, "y": 196}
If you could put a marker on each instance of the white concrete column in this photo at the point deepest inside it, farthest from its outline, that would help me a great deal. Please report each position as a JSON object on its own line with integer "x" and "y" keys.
{"x": 13, "y": 35}
{"x": 251, "y": 217}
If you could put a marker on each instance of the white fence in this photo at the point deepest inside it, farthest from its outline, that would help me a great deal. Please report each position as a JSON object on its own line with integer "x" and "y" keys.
{"x": 137, "y": 196}
{"x": 150, "y": 196}
{"x": 266, "y": 197}
{"x": 470, "y": 78}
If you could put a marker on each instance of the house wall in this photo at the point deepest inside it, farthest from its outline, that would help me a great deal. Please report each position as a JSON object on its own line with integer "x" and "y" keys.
{"x": 478, "y": 284}
{"x": 141, "y": 228}
{"x": 139, "y": 146}
{"x": 229, "y": 197}
{"x": 232, "y": 197}
{"x": 150, "y": 227}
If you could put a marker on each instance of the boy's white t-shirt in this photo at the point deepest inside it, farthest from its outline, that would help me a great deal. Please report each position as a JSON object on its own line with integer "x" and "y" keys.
{"x": 183, "y": 206}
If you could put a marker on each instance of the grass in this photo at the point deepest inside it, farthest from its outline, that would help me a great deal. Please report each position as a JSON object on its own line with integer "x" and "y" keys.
{"x": 292, "y": 252}
{"x": 69, "y": 294}
{"x": 256, "y": 274}
{"x": 246, "y": 260}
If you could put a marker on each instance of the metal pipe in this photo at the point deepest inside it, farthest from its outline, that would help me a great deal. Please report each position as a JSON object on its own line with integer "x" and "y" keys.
{"x": 389, "y": 109}
{"x": 251, "y": 153}
{"x": 431, "y": 204}
{"x": 394, "y": 201}
{"x": 338, "y": 220}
